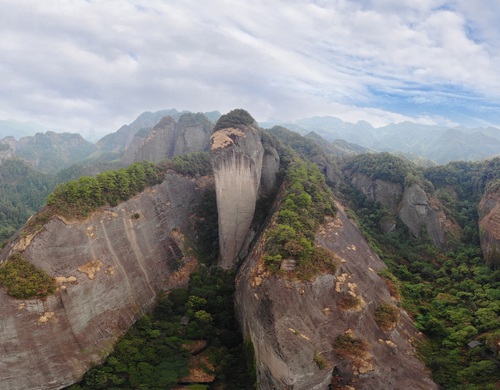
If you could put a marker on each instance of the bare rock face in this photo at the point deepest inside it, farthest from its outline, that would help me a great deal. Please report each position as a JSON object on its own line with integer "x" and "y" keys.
{"x": 489, "y": 227}
{"x": 416, "y": 213}
{"x": 292, "y": 324}
{"x": 237, "y": 155}
{"x": 387, "y": 193}
{"x": 159, "y": 144}
{"x": 109, "y": 269}
{"x": 191, "y": 133}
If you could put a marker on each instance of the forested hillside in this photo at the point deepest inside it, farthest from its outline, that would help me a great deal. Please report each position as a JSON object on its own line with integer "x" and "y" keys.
{"x": 22, "y": 192}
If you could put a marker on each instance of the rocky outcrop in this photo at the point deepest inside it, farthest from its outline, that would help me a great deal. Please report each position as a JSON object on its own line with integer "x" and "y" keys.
{"x": 237, "y": 164}
{"x": 292, "y": 324}
{"x": 387, "y": 193}
{"x": 411, "y": 204}
{"x": 159, "y": 144}
{"x": 191, "y": 133}
{"x": 489, "y": 227}
{"x": 109, "y": 269}
{"x": 416, "y": 213}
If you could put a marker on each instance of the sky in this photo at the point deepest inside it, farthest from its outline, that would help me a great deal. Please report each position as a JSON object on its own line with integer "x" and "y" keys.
{"x": 91, "y": 66}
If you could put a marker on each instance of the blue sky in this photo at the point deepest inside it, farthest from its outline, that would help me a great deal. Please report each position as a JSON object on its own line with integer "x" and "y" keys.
{"x": 91, "y": 66}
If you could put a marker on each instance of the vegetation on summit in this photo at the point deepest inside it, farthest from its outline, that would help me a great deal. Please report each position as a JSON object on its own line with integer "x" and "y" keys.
{"x": 235, "y": 118}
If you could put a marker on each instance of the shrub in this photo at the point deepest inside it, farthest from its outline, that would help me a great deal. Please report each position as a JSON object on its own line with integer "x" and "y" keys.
{"x": 348, "y": 302}
{"x": 386, "y": 316}
{"x": 348, "y": 346}
{"x": 25, "y": 281}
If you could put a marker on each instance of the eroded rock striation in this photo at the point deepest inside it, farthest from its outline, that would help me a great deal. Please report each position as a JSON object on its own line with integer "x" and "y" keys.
{"x": 293, "y": 324}
{"x": 489, "y": 227}
{"x": 109, "y": 269}
{"x": 237, "y": 155}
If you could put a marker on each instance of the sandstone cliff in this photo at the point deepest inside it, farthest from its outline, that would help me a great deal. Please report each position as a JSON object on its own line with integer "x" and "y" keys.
{"x": 489, "y": 226}
{"x": 191, "y": 133}
{"x": 237, "y": 155}
{"x": 109, "y": 269}
{"x": 293, "y": 324}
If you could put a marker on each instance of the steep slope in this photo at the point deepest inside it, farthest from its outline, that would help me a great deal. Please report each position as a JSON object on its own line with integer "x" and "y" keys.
{"x": 237, "y": 154}
{"x": 294, "y": 325}
{"x": 109, "y": 269}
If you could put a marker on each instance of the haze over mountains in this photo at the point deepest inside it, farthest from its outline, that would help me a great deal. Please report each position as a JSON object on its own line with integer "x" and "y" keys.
{"x": 418, "y": 142}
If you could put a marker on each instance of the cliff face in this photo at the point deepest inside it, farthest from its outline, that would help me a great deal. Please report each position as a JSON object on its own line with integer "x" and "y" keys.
{"x": 191, "y": 133}
{"x": 416, "y": 212}
{"x": 237, "y": 155}
{"x": 388, "y": 194}
{"x": 109, "y": 269}
{"x": 292, "y": 324}
{"x": 489, "y": 227}
{"x": 414, "y": 207}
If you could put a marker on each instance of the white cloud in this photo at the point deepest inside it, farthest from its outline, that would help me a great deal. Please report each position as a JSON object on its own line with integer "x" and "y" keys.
{"x": 84, "y": 65}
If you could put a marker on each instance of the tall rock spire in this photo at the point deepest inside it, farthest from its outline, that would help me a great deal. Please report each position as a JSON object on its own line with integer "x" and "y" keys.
{"x": 237, "y": 153}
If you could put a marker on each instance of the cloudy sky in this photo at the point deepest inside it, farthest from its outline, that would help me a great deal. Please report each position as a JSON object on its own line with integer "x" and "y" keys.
{"x": 91, "y": 66}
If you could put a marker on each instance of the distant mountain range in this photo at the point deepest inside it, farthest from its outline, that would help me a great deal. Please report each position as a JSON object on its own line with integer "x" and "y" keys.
{"x": 425, "y": 143}
{"x": 438, "y": 143}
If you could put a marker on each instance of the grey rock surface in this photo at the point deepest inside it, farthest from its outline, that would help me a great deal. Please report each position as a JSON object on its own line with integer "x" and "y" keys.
{"x": 416, "y": 213}
{"x": 109, "y": 269}
{"x": 237, "y": 164}
{"x": 292, "y": 322}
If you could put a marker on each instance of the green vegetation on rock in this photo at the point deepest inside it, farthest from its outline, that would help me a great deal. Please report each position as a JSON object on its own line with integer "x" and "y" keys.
{"x": 235, "y": 118}
{"x": 306, "y": 201}
{"x": 25, "y": 281}
{"x": 78, "y": 198}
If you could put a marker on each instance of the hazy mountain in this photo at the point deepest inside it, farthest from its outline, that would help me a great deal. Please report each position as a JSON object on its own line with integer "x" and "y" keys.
{"x": 437, "y": 143}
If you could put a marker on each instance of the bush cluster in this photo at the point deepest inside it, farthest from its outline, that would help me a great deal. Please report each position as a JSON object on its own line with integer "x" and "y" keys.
{"x": 77, "y": 198}
{"x": 386, "y": 316}
{"x": 25, "y": 281}
{"x": 348, "y": 346}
